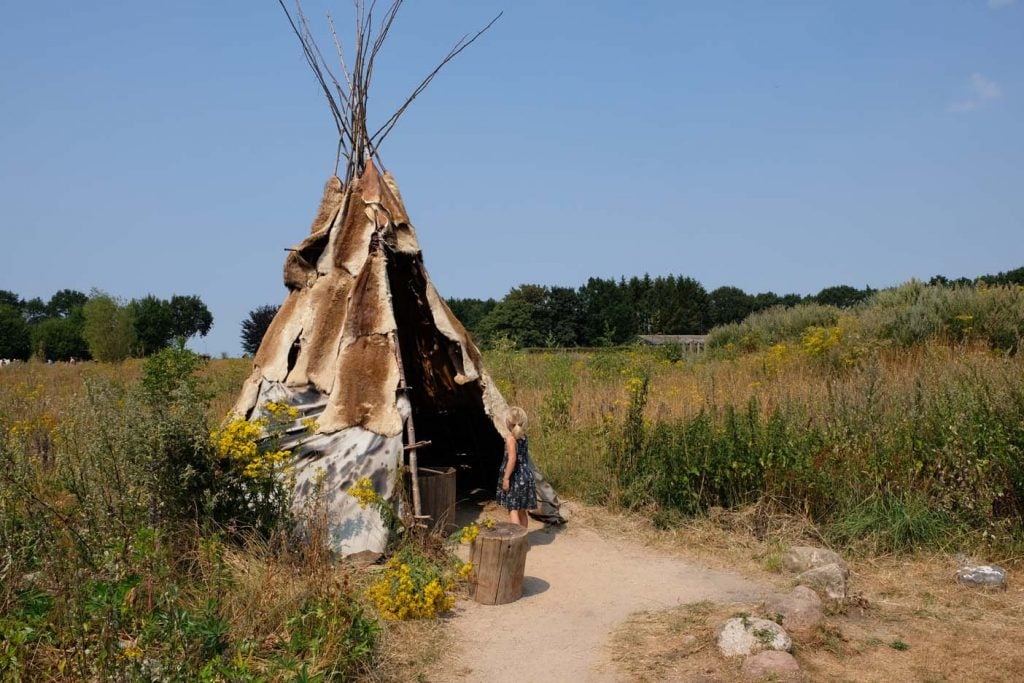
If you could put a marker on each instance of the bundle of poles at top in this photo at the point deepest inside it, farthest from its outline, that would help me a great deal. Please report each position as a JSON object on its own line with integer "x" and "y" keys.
{"x": 348, "y": 101}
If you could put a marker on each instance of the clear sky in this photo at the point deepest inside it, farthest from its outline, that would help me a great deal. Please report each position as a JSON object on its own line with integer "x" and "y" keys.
{"x": 179, "y": 147}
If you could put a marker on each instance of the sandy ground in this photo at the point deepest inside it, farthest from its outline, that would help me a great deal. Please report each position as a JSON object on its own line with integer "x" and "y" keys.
{"x": 579, "y": 586}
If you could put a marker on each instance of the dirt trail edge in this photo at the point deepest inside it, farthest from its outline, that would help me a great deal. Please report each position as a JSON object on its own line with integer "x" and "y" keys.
{"x": 578, "y": 587}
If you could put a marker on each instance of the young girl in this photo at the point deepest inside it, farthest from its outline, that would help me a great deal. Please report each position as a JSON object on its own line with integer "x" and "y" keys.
{"x": 517, "y": 491}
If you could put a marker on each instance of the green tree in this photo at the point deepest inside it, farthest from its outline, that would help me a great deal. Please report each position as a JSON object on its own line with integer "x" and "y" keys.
{"x": 680, "y": 305}
{"x": 34, "y": 310}
{"x": 255, "y": 327}
{"x": 9, "y": 298}
{"x": 728, "y": 305}
{"x": 471, "y": 311}
{"x": 67, "y": 303}
{"x": 154, "y": 324}
{"x": 606, "y": 313}
{"x": 189, "y": 317}
{"x": 58, "y": 339}
{"x": 109, "y": 328}
{"x": 842, "y": 296}
{"x": 519, "y": 316}
{"x": 14, "y": 334}
{"x": 561, "y": 314}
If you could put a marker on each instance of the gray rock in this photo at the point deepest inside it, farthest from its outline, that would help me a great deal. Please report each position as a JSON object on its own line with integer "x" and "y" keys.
{"x": 800, "y": 558}
{"x": 741, "y": 636}
{"x": 771, "y": 665}
{"x": 982, "y": 576}
{"x": 800, "y": 611}
{"x": 829, "y": 580}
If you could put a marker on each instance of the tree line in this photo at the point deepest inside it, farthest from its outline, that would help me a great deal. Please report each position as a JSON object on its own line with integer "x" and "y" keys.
{"x": 607, "y": 311}
{"x": 73, "y": 324}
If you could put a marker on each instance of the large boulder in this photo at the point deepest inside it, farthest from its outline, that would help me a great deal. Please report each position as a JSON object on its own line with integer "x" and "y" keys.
{"x": 799, "y": 612}
{"x": 742, "y": 636}
{"x": 829, "y": 580}
{"x": 800, "y": 558}
{"x": 982, "y": 576}
{"x": 771, "y": 665}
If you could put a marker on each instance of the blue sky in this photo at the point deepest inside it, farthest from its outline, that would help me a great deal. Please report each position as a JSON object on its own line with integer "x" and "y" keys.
{"x": 155, "y": 147}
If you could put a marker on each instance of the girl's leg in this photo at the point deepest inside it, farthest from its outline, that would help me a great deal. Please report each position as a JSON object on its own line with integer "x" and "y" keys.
{"x": 513, "y": 516}
{"x": 524, "y": 520}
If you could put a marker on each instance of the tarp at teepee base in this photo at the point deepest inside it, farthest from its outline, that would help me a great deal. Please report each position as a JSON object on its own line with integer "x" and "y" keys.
{"x": 361, "y": 320}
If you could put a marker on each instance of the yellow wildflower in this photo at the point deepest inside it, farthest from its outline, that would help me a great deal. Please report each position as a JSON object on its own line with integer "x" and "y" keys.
{"x": 469, "y": 533}
{"x": 364, "y": 492}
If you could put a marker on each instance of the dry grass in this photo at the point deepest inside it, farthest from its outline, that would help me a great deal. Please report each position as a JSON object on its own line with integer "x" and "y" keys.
{"x": 951, "y": 633}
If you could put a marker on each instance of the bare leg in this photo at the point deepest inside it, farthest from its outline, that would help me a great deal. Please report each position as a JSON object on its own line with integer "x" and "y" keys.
{"x": 524, "y": 519}
{"x": 513, "y": 516}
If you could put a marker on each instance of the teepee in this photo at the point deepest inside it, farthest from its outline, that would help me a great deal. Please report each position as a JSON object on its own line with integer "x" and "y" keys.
{"x": 363, "y": 343}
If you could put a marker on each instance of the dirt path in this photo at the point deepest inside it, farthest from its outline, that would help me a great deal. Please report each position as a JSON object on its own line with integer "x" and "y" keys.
{"x": 578, "y": 587}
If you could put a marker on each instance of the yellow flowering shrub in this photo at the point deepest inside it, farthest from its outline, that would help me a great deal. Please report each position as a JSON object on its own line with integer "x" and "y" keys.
{"x": 817, "y": 341}
{"x": 240, "y": 447}
{"x": 414, "y": 587}
{"x": 250, "y": 447}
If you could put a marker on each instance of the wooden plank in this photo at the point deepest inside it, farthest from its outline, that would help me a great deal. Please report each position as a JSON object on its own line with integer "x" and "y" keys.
{"x": 437, "y": 496}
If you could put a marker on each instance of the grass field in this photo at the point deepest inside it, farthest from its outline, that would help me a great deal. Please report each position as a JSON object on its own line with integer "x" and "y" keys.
{"x": 111, "y": 565}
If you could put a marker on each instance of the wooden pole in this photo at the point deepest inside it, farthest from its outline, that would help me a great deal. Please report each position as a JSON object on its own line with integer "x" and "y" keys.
{"x": 410, "y": 435}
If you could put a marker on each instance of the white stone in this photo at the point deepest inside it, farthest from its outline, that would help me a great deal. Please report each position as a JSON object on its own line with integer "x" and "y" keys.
{"x": 741, "y": 636}
{"x": 982, "y": 576}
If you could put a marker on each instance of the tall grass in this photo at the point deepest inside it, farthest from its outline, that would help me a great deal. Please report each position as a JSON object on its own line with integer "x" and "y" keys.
{"x": 112, "y": 563}
{"x": 892, "y": 450}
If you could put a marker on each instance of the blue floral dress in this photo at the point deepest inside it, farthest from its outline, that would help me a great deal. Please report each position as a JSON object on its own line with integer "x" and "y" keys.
{"x": 522, "y": 490}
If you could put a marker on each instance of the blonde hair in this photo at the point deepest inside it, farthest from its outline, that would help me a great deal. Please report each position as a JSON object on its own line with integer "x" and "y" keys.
{"x": 515, "y": 420}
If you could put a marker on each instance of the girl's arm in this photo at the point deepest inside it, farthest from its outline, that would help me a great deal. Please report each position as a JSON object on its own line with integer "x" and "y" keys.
{"x": 510, "y": 463}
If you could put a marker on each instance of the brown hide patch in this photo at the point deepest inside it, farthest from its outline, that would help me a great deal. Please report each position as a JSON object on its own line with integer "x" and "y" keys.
{"x": 300, "y": 264}
{"x": 329, "y": 205}
{"x": 369, "y": 309}
{"x": 318, "y": 358}
{"x": 272, "y": 356}
{"x": 393, "y": 203}
{"x": 352, "y": 245}
{"x": 450, "y": 326}
{"x": 405, "y": 239}
{"x": 250, "y": 392}
{"x": 369, "y": 185}
{"x": 364, "y": 393}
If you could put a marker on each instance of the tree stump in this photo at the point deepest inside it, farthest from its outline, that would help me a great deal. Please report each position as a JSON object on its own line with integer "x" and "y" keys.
{"x": 498, "y": 557}
{"x": 437, "y": 497}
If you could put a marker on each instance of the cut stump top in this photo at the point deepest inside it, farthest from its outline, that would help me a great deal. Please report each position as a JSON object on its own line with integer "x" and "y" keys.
{"x": 503, "y": 531}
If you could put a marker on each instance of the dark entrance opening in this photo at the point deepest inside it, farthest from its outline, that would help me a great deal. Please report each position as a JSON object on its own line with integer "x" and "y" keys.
{"x": 448, "y": 414}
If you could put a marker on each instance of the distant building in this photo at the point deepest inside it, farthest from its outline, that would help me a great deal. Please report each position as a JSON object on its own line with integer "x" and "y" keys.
{"x": 688, "y": 342}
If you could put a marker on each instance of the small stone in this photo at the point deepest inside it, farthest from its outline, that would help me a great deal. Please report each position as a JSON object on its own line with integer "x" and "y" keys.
{"x": 829, "y": 580}
{"x": 800, "y": 611}
{"x": 982, "y": 576}
{"x": 771, "y": 665}
{"x": 800, "y": 558}
{"x": 741, "y": 636}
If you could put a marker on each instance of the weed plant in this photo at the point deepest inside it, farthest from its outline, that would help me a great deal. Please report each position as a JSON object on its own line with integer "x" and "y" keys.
{"x": 129, "y": 549}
